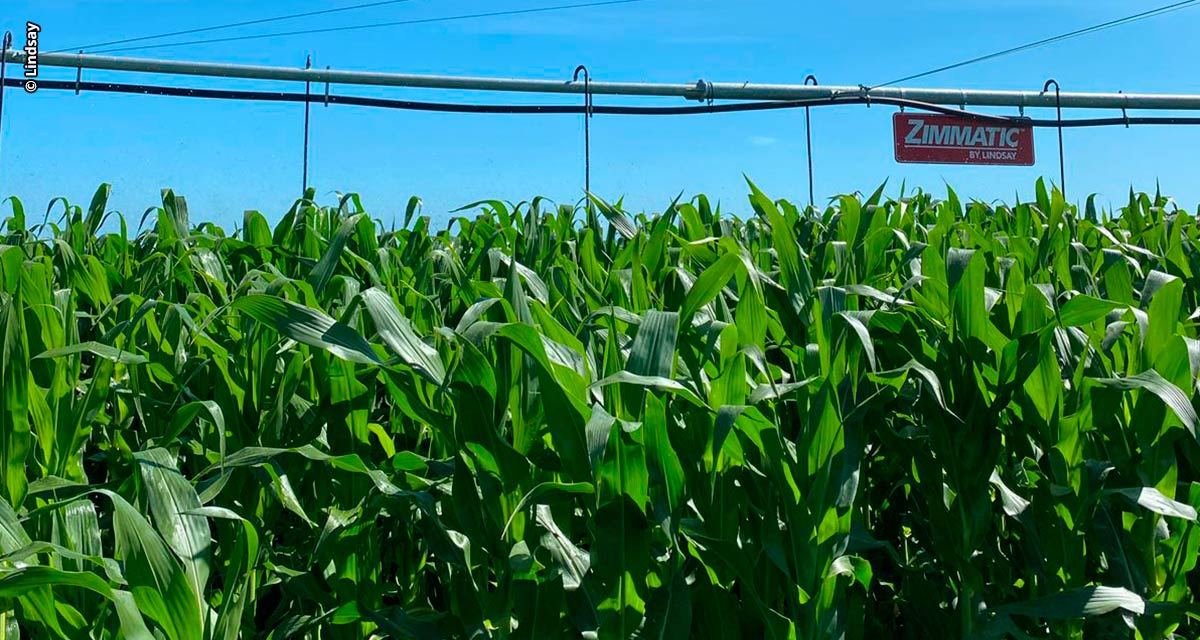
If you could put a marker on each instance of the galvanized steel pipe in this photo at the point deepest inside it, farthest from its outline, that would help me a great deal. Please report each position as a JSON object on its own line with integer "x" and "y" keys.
{"x": 701, "y": 90}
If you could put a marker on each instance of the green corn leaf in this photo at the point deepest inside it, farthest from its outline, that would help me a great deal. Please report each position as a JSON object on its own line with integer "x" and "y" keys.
{"x": 95, "y": 348}
{"x": 572, "y": 561}
{"x": 308, "y": 326}
{"x": 856, "y": 568}
{"x": 661, "y": 455}
{"x": 1014, "y": 505}
{"x": 15, "y": 430}
{"x": 710, "y": 283}
{"x": 1079, "y": 603}
{"x": 157, "y": 580}
{"x": 172, "y": 498}
{"x": 653, "y": 350}
{"x": 863, "y": 334}
{"x": 29, "y": 579}
{"x": 651, "y": 382}
{"x": 546, "y": 489}
{"x": 1153, "y": 500}
{"x": 882, "y": 416}
{"x": 668, "y": 612}
{"x": 323, "y": 271}
{"x": 12, "y": 534}
{"x": 239, "y": 574}
{"x": 796, "y": 277}
{"x": 1171, "y": 395}
{"x": 1083, "y": 310}
{"x": 398, "y": 334}
{"x": 399, "y": 624}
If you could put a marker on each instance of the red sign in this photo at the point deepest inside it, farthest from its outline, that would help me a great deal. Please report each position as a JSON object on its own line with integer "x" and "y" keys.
{"x": 945, "y": 139}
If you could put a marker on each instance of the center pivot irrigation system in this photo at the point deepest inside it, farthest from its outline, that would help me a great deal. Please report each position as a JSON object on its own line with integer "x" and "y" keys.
{"x": 952, "y": 134}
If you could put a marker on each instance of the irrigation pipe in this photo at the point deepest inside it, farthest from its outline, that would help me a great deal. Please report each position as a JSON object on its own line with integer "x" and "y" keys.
{"x": 447, "y": 107}
{"x": 702, "y": 90}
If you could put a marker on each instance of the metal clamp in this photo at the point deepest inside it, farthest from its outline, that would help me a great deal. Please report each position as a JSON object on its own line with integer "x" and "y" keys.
{"x": 327, "y": 88}
{"x": 705, "y": 91}
{"x": 1062, "y": 171}
{"x": 1124, "y": 113}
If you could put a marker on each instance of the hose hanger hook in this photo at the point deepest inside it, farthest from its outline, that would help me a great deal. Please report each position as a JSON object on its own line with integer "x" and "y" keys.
{"x": 307, "y": 120}
{"x": 587, "y": 132}
{"x": 1062, "y": 172}
{"x": 4, "y": 47}
{"x": 587, "y": 88}
{"x": 808, "y": 136}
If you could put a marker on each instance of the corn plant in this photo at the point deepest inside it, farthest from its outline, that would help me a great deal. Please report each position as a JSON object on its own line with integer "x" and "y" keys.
{"x": 888, "y": 418}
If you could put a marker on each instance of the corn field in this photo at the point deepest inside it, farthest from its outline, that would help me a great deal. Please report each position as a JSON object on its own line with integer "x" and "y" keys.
{"x": 891, "y": 418}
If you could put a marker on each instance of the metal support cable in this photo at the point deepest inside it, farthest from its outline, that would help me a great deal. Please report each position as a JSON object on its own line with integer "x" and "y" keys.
{"x": 378, "y": 25}
{"x": 232, "y": 25}
{"x": 1150, "y": 13}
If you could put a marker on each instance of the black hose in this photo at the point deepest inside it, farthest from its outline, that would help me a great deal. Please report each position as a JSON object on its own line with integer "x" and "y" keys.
{"x": 445, "y": 107}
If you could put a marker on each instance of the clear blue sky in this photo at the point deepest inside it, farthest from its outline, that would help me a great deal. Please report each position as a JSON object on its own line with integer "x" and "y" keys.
{"x": 227, "y": 157}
